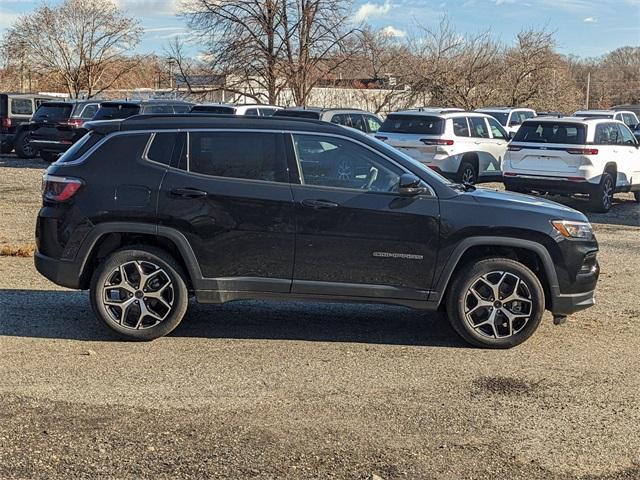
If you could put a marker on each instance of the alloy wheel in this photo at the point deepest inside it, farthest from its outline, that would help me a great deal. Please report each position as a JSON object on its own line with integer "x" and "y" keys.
{"x": 138, "y": 294}
{"x": 498, "y": 304}
{"x": 468, "y": 175}
{"x": 26, "y": 147}
{"x": 607, "y": 193}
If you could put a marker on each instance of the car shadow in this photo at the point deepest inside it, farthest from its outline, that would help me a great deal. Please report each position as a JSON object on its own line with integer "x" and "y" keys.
{"x": 11, "y": 161}
{"x": 67, "y": 315}
{"x": 624, "y": 211}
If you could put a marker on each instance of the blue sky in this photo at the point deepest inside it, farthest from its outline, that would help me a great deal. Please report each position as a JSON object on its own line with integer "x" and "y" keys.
{"x": 583, "y": 27}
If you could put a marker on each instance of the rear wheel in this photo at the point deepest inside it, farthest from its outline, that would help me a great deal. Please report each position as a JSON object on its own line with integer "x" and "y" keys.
{"x": 468, "y": 173}
{"x": 636, "y": 195}
{"x": 498, "y": 303}
{"x": 139, "y": 292}
{"x": 23, "y": 147}
{"x": 601, "y": 198}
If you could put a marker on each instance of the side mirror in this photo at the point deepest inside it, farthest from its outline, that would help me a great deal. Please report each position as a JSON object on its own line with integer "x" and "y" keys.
{"x": 410, "y": 185}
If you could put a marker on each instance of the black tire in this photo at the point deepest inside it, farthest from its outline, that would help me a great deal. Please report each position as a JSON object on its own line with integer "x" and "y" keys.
{"x": 468, "y": 173}
{"x": 5, "y": 149}
{"x": 601, "y": 198}
{"x": 22, "y": 146}
{"x": 636, "y": 195}
{"x": 177, "y": 300}
{"x": 48, "y": 157}
{"x": 459, "y": 296}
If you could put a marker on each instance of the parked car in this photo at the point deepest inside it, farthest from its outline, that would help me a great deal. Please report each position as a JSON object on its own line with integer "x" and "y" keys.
{"x": 594, "y": 156}
{"x": 55, "y": 126}
{"x": 132, "y": 217}
{"x": 636, "y": 132}
{"x": 126, "y": 108}
{"x": 509, "y": 117}
{"x": 466, "y": 147}
{"x": 628, "y": 118}
{"x": 15, "y": 110}
{"x": 349, "y": 117}
{"x": 251, "y": 109}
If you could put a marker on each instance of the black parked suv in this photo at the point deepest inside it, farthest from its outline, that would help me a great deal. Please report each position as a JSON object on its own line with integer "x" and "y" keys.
{"x": 148, "y": 211}
{"x": 124, "y": 109}
{"x": 55, "y": 126}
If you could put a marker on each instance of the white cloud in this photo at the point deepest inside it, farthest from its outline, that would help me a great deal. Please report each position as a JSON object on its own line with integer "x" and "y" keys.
{"x": 369, "y": 10}
{"x": 391, "y": 31}
{"x": 590, "y": 20}
{"x": 162, "y": 29}
{"x": 157, "y": 7}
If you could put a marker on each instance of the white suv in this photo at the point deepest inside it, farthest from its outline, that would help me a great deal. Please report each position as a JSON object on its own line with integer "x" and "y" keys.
{"x": 250, "y": 109}
{"x": 594, "y": 156}
{"x": 628, "y": 118}
{"x": 467, "y": 147}
{"x": 509, "y": 118}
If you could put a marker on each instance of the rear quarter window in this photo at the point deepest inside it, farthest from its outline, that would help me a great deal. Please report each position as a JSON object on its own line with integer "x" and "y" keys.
{"x": 129, "y": 146}
{"x": 81, "y": 147}
{"x": 417, "y": 124}
{"x": 551, "y": 132}
{"x": 21, "y": 106}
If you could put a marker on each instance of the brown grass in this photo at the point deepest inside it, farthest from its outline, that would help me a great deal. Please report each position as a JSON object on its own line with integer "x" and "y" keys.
{"x": 25, "y": 250}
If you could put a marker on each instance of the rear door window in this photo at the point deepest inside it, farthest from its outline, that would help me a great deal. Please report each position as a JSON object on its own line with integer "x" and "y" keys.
{"x": 160, "y": 150}
{"x": 21, "y": 106}
{"x": 460, "y": 127}
{"x": 607, "y": 134}
{"x": 243, "y": 155}
{"x": 418, "y": 124}
{"x": 357, "y": 121}
{"x": 478, "y": 127}
{"x": 551, "y": 132}
{"x": 626, "y": 136}
{"x": 341, "y": 119}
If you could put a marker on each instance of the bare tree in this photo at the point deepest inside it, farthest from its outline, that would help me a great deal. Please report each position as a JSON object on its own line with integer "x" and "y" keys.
{"x": 243, "y": 42}
{"x": 77, "y": 42}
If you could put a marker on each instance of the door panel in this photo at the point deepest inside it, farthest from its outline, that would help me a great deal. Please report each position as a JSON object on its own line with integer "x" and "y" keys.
{"x": 241, "y": 230}
{"x": 355, "y": 236}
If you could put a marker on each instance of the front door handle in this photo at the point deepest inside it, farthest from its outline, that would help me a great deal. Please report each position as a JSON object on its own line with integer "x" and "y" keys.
{"x": 319, "y": 204}
{"x": 188, "y": 192}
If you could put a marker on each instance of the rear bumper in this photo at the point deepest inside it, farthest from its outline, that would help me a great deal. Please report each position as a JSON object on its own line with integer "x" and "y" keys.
{"x": 61, "y": 272}
{"x": 548, "y": 184}
{"x": 568, "y": 304}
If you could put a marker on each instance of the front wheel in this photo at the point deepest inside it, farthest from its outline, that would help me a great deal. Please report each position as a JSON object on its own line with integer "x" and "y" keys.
{"x": 601, "y": 198}
{"x": 139, "y": 292}
{"x": 498, "y": 303}
{"x": 23, "y": 147}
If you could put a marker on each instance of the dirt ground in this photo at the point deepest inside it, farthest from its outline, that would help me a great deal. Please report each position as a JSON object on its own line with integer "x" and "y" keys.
{"x": 292, "y": 390}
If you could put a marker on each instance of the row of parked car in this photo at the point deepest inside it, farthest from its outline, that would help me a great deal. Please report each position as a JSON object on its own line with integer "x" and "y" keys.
{"x": 592, "y": 152}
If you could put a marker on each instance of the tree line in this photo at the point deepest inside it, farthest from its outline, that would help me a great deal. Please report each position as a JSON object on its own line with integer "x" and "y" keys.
{"x": 262, "y": 48}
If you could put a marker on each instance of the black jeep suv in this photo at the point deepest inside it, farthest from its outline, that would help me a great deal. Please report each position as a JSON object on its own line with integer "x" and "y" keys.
{"x": 147, "y": 211}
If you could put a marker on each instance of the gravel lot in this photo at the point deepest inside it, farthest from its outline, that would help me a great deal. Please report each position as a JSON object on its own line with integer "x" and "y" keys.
{"x": 261, "y": 390}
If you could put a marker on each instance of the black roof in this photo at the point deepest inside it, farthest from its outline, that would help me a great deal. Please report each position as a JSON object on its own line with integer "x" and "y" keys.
{"x": 197, "y": 120}
{"x": 144, "y": 102}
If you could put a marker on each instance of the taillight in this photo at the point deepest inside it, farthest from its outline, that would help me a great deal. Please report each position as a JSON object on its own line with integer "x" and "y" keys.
{"x": 427, "y": 141}
{"x": 59, "y": 189}
{"x": 75, "y": 122}
{"x": 513, "y": 148}
{"x": 582, "y": 151}
{"x": 5, "y": 122}
{"x": 380, "y": 137}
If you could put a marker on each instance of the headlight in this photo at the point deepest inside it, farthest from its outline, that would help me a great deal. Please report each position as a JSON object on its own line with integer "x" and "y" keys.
{"x": 571, "y": 229}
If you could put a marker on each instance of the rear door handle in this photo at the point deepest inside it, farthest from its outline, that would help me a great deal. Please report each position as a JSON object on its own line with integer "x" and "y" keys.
{"x": 188, "y": 192}
{"x": 319, "y": 204}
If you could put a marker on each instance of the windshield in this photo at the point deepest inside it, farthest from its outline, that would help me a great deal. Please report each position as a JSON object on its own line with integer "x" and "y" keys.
{"x": 420, "y": 124}
{"x": 56, "y": 111}
{"x": 110, "y": 111}
{"x": 551, "y": 132}
{"x": 500, "y": 116}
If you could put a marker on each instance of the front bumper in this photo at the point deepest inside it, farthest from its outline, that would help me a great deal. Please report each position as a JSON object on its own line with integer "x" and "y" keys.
{"x": 572, "y": 303}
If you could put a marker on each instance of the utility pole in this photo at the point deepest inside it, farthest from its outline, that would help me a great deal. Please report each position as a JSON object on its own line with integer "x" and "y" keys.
{"x": 588, "y": 89}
